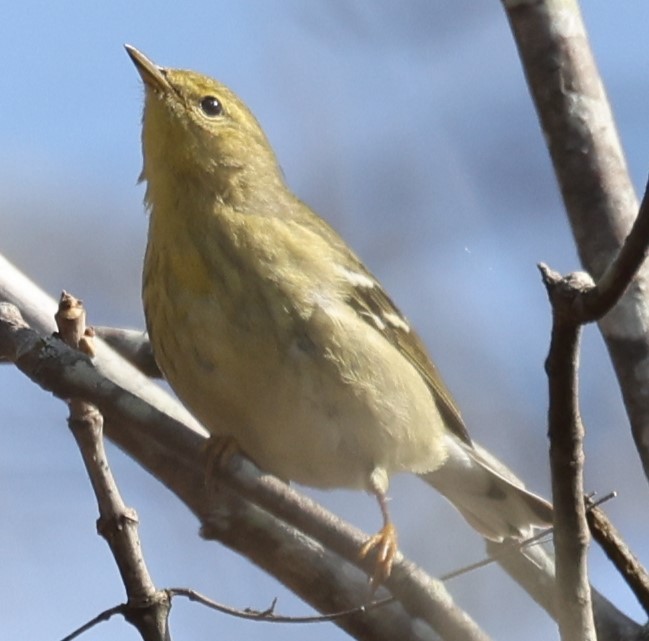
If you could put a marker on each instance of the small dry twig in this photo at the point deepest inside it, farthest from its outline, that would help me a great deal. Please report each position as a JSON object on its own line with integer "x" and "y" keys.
{"x": 146, "y": 608}
{"x": 576, "y": 300}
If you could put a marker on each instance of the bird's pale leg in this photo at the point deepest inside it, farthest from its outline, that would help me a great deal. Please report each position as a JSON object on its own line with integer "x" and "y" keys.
{"x": 218, "y": 451}
{"x": 383, "y": 545}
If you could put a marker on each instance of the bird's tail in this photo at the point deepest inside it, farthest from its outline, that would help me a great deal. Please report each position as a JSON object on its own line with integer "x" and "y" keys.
{"x": 487, "y": 494}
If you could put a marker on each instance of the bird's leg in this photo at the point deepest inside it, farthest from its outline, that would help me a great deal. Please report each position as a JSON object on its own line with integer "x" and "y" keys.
{"x": 383, "y": 544}
{"x": 218, "y": 451}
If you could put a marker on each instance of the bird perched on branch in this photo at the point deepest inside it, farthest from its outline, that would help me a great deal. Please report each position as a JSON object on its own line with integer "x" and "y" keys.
{"x": 275, "y": 335}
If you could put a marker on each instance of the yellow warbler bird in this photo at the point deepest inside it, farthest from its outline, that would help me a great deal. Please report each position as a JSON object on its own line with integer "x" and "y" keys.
{"x": 273, "y": 333}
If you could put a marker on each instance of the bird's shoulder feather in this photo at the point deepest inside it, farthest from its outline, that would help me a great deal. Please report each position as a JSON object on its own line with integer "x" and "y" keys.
{"x": 371, "y": 302}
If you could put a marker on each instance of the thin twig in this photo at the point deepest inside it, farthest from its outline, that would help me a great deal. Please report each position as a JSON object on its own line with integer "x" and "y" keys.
{"x": 575, "y": 299}
{"x": 269, "y": 615}
{"x": 620, "y": 273}
{"x": 147, "y": 608}
{"x": 100, "y": 618}
{"x": 633, "y": 572}
{"x": 566, "y": 432}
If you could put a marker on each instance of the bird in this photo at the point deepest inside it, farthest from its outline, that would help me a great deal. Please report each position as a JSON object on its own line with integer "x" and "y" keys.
{"x": 278, "y": 339}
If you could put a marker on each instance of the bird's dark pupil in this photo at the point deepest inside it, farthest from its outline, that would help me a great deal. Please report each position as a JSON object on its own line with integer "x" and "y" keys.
{"x": 211, "y": 106}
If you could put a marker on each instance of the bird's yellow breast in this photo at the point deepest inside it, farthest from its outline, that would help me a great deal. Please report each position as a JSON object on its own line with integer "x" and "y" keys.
{"x": 253, "y": 358}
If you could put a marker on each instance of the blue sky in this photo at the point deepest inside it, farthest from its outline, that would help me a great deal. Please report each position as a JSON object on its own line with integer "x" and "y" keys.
{"x": 407, "y": 125}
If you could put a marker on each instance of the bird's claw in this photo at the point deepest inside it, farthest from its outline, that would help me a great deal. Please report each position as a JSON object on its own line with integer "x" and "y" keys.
{"x": 383, "y": 546}
{"x": 218, "y": 451}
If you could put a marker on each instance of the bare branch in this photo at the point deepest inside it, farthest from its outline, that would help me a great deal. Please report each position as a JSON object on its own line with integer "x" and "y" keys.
{"x": 571, "y": 537}
{"x": 171, "y": 451}
{"x": 578, "y": 125}
{"x": 590, "y": 167}
{"x": 156, "y": 431}
{"x": 576, "y": 300}
{"x": 534, "y": 570}
{"x": 605, "y": 533}
{"x": 269, "y": 615}
{"x": 591, "y": 170}
{"x": 147, "y": 609}
{"x": 100, "y": 618}
{"x": 620, "y": 273}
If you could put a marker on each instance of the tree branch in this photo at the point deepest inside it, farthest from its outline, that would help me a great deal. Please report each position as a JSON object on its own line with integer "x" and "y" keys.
{"x": 589, "y": 164}
{"x": 620, "y": 273}
{"x": 170, "y": 450}
{"x": 571, "y": 538}
{"x": 577, "y": 300}
{"x": 158, "y": 433}
{"x": 147, "y": 608}
{"x": 605, "y": 533}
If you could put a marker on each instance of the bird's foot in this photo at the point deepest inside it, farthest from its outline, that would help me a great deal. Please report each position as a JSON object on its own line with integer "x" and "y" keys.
{"x": 218, "y": 451}
{"x": 383, "y": 546}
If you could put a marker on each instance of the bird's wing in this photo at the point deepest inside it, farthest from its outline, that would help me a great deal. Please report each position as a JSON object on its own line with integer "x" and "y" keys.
{"x": 376, "y": 308}
{"x": 366, "y": 296}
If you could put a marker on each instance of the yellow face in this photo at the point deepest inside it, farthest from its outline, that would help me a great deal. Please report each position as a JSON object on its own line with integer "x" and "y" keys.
{"x": 194, "y": 123}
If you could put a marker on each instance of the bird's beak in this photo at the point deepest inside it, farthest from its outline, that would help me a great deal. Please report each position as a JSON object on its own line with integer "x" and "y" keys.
{"x": 153, "y": 76}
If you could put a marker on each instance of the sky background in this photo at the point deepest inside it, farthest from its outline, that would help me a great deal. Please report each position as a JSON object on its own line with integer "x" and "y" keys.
{"x": 408, "y": 125}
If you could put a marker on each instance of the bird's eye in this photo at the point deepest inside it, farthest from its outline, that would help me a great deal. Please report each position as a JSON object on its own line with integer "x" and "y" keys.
{"x": 211, "y": 106}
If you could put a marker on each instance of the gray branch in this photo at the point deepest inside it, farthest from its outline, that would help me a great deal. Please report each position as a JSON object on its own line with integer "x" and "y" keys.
{"x": 591, "y": 170}
{"x": 146, "y": 423}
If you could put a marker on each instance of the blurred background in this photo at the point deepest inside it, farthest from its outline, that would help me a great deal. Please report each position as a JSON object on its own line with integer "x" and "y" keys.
{"x": 409, "y": 126}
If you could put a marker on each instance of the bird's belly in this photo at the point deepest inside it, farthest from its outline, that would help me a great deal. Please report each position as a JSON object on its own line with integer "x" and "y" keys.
{"x": 301, "y": 403}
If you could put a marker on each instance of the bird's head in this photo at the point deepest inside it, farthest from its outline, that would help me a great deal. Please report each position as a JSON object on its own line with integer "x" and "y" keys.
{"x": 197, "y": 128}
